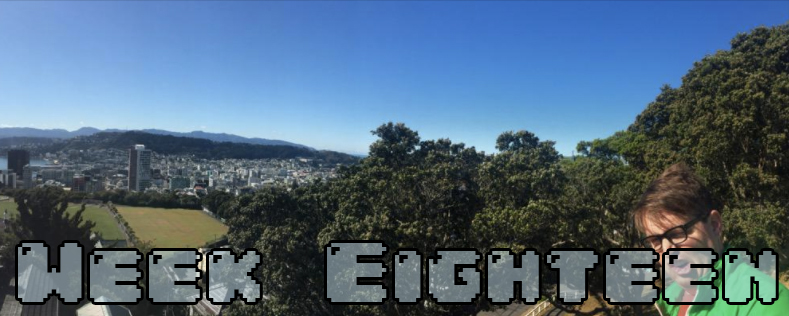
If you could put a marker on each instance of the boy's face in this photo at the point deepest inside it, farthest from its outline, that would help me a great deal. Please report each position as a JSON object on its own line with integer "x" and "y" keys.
{"x": 704, "y": 233}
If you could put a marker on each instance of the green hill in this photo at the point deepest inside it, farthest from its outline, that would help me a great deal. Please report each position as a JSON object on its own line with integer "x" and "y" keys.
{"x": 200, "y": 148}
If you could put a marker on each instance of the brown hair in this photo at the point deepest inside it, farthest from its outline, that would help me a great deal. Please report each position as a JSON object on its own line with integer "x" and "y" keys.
{"x": 678, "y": 191}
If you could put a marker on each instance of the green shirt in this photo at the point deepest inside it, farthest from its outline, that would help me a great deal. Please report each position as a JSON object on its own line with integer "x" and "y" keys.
{"x": 739, "y": 281}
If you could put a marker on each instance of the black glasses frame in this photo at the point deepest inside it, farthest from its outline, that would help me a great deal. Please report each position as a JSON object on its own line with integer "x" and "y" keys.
{"x": 647, "y": 241}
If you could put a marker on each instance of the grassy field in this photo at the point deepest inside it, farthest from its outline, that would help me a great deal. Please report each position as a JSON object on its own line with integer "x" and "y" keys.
{"x": 172, "y": 228}
{"x": 105, "y": 224}
{"x": 8, "y": 204}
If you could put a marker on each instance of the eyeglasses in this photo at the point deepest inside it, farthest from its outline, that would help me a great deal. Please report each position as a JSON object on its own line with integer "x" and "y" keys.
{"x": 675, "y": 235}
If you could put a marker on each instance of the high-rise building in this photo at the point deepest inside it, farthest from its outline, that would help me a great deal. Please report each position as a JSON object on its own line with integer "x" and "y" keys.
{"x": 139, "y": 168}
{"x": 78, "y": 183}
{"x": 27, "y": 177}
{"x": 18, "y": 159}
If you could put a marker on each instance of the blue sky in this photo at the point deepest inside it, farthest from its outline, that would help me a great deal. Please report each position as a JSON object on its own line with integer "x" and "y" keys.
{"x": 325, "y": 74}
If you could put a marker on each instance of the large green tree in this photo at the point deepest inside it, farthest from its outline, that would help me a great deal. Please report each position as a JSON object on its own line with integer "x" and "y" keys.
{"x": 409, "y": 193}
{"x": 729, "y": 120}
{"x": 520, "y": 186}
{"x": 284, "y": 227}
{"x": 43, "y": 216}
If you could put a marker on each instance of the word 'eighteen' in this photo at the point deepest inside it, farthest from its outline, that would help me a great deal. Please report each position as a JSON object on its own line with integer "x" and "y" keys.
{"x": 113, "y": 276}
{"x": 355, "y": 272}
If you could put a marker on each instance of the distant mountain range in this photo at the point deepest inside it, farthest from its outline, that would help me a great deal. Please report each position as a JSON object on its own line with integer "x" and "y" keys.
{"x": 180, "y": 145}
{"x": 8, "y": 132}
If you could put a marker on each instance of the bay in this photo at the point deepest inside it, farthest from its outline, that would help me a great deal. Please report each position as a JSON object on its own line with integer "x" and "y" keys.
{"x": 34, "y": 162}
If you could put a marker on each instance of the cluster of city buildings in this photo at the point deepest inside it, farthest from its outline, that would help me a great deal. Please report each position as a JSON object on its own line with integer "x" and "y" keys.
{"x": 140, "y": 169}
{"x": 18, "y": 169}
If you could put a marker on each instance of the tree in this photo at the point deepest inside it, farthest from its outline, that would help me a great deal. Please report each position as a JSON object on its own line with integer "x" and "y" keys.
{"x": 8, "y": 242}
{"x": 515, "y": 141}
{"x": 283, "y": 226}
{"x": 409, "y": 193}
{"x": 216, "y": 202}
{"x": 729, "y": 120}
{"x": 43, "y": 216}
{"x": 526, "y": 169}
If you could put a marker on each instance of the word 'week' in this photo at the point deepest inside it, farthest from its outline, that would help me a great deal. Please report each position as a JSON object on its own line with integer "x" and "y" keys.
{"x": 355, "y": 271}
{"x": 354, "y": 274}
{"x": 114, "y": 275}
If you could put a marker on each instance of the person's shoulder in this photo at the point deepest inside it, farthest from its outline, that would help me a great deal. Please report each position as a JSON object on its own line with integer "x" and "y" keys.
{"x": 742, "y": 279}
{"x": 744, "y": 275}
{"x": 778, "y": 307}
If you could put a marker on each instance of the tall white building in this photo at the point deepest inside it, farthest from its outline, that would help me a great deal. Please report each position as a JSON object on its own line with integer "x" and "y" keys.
{"x": 139, "y": 168}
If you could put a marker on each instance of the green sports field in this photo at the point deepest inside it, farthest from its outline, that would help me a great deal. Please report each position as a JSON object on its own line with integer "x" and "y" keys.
{"x": 105, "y": 224}
{"x": 172, "y": 228}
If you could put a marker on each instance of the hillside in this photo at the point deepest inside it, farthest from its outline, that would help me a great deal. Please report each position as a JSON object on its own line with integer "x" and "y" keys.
{"x": 201, "y": 148}
{"x": 8, "y": 132}
{"x": 25, "y": 141}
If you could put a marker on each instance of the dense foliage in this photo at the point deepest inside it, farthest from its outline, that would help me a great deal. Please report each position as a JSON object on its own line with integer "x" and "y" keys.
{"x": 217, "y": 202}
{"x": 23, "y": 142}
{"x": 145, "y": 199}
{"x": 729, "y": 120}
{"x": 43, "y": 217}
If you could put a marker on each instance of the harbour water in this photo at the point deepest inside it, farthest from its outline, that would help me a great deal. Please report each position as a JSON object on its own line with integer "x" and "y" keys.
{"x": 34, "y": 162}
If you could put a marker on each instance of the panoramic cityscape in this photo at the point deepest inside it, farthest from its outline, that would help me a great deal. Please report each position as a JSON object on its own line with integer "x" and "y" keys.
{"x": 504, "y": 158}
{"x": 139, "y": 169}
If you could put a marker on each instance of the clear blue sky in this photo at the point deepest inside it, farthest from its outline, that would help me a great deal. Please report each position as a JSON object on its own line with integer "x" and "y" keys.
{"x": 326, "y": 73}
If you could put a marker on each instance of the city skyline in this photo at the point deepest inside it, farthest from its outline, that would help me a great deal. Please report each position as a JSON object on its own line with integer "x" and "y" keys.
{"x": 324, "y": 74}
